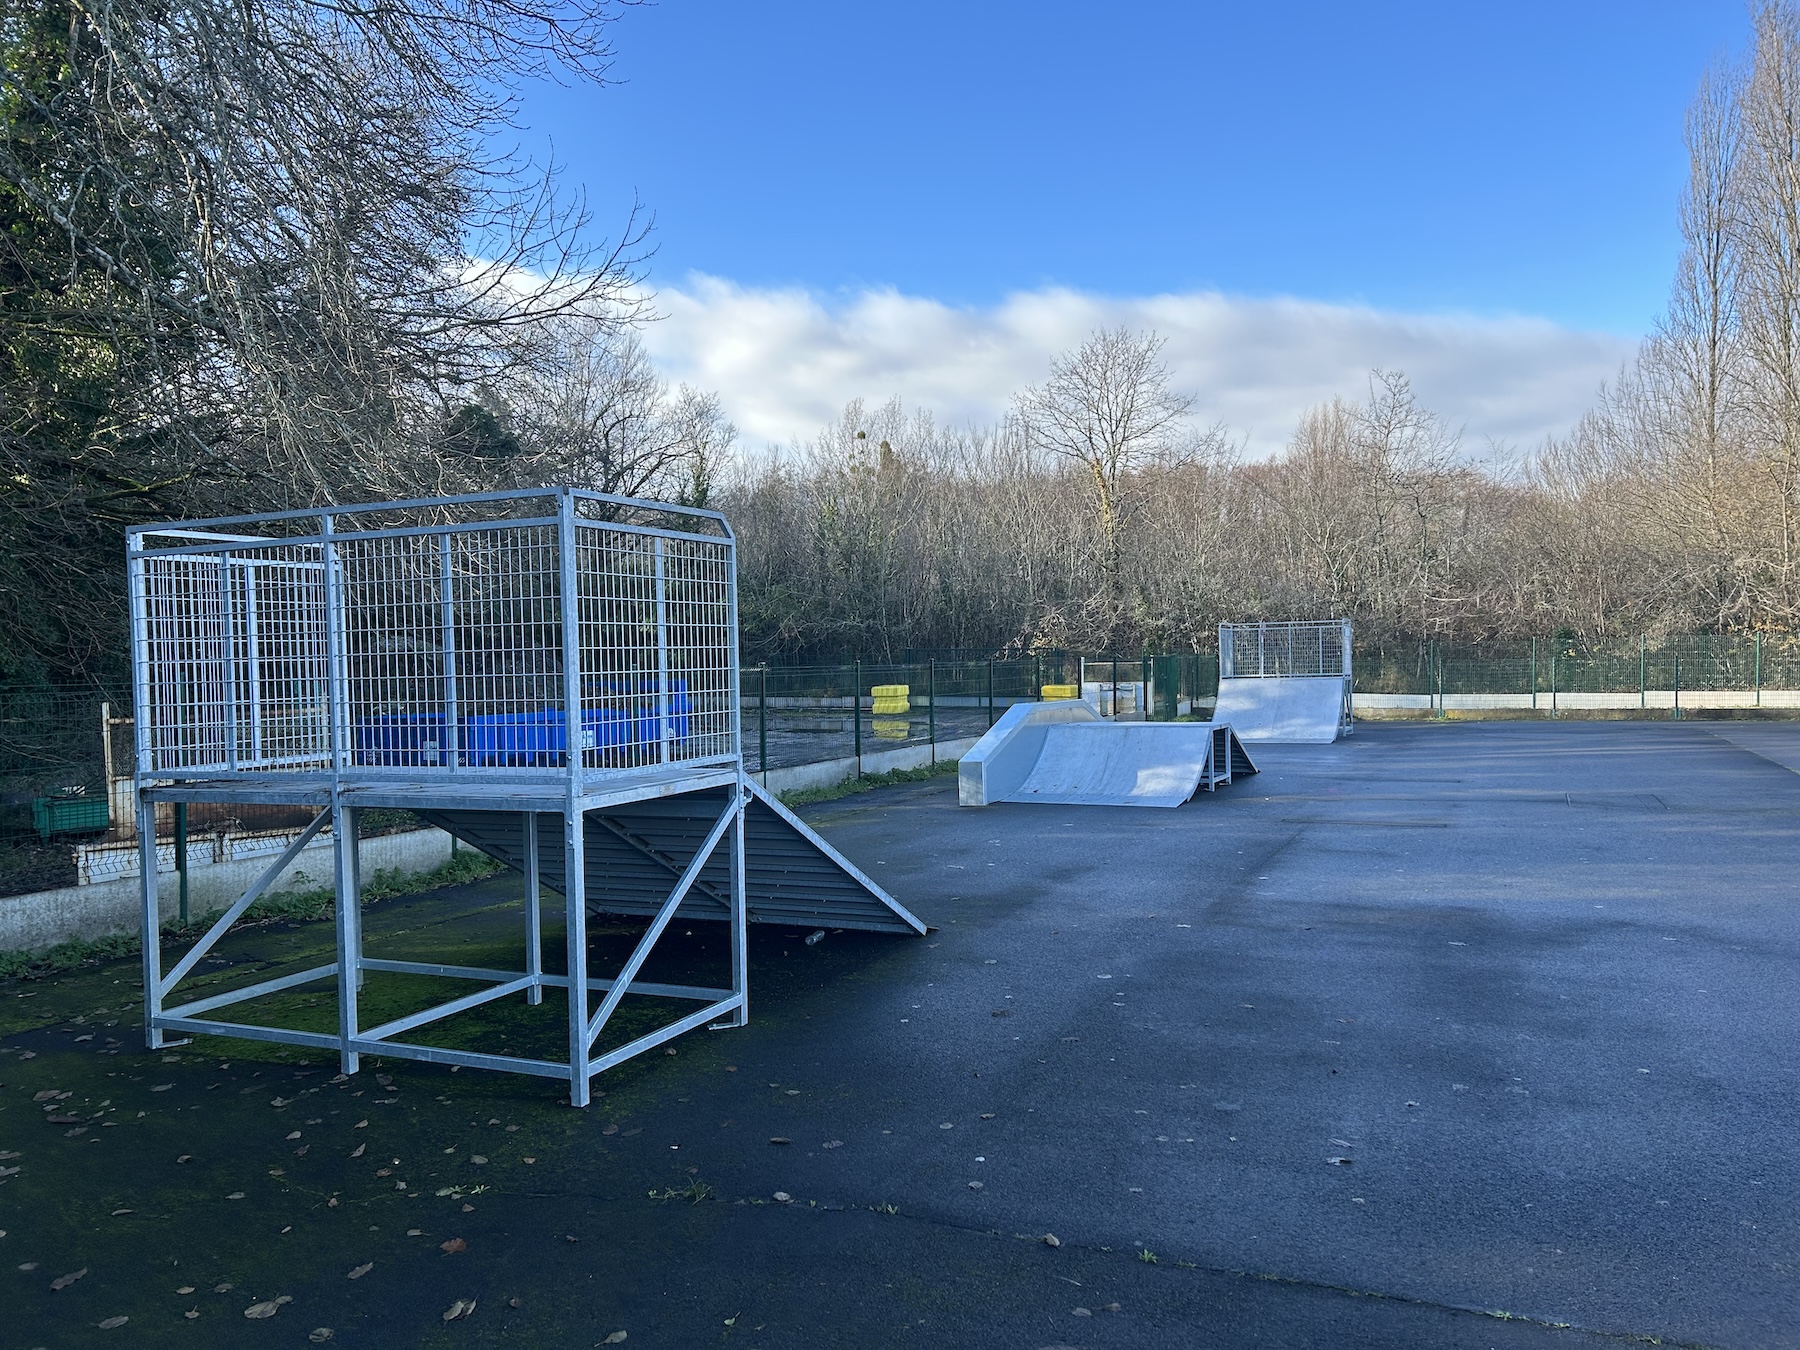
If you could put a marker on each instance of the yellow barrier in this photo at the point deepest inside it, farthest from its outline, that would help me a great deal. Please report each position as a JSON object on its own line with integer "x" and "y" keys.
{"x": 891, "y": 698}
{"x": 1062, "y": 691}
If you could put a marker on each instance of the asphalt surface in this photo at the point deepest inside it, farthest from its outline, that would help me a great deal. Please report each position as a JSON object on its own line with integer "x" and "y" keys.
{"x": 1447, "y": 1035}
{"x": 1535, "y": 982}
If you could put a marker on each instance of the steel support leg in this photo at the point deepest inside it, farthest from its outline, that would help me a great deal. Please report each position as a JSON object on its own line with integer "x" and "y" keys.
{"x": 349, "y": 930}
{"x": 534, "y": 934}
{"x": 575, "y": 905}
{"x": 740, "y": 916}
{"x": 152, "y": 922}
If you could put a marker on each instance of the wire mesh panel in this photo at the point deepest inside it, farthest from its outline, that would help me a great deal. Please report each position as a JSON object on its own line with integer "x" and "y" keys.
{"x": 1254, "y": 650}
{"x": 438, "y": 638}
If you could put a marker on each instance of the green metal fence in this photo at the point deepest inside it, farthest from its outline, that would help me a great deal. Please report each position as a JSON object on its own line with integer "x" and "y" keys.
{"x": 57, "y": 815}
{"x": 1701, "y": 662}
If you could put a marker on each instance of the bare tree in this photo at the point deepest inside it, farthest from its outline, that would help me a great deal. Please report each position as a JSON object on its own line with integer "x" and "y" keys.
{"x": 251, "y": 246}
{"x": 1107, "y": 406}
{"x": 592, "y": 410}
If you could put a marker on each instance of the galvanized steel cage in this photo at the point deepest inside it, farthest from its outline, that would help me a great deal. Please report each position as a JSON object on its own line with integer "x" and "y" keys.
{"x": 1270, "y": 650}
{"x": 457, "y": 638}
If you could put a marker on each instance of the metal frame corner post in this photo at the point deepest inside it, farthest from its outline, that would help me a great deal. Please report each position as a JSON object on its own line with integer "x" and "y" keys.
{"x": 740, "y": 912}
{"x": 575, "y": 912}
{"x": 152, "y": 920}
{"x": 346, "y": 868}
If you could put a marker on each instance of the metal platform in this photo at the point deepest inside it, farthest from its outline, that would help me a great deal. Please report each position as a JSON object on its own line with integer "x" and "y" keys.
{"x": 551, "y": 675}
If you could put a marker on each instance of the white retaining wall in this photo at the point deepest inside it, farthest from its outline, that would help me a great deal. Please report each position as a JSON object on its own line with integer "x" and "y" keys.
{"x": 45, "y": 918}
{"x": 1652, "y": 698}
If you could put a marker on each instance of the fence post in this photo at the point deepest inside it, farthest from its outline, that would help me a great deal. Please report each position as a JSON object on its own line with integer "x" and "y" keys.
{"x": 762, "y": 724}
{"x": 990, "y": 691}
{"x": 1643, "y": 669}
{"x": 856, "y": 713}
{"x": 1759, "y": 670}
{"x": 1553, "y": 678}
{"x": 181, "y": 868}
{"x": 1534, "y": 674}
{"x": 1675, "y": 716}
{"x": 931, "y": 705}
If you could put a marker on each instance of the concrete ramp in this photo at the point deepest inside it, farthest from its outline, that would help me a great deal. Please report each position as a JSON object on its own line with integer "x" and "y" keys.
{"x": 1295, "y": 709}
{"x": 1062, "y": 752}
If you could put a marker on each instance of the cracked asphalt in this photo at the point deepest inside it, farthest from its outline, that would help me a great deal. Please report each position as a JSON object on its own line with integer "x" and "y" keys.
{"x": 1475, "y": 1034}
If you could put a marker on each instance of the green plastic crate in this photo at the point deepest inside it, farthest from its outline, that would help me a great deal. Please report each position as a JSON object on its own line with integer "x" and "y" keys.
{"x": 70, "y": 814}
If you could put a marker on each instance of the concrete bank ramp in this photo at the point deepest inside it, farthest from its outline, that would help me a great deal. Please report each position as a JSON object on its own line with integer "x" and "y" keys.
{"x": 1062, "y": 752}
{"x": 1295, "y": 709}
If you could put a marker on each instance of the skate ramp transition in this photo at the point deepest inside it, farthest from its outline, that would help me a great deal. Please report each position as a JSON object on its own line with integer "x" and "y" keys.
{"x": 1063, "y": 752}
{"x": 637, "y": 850}
{"x": 1296, "y": 709}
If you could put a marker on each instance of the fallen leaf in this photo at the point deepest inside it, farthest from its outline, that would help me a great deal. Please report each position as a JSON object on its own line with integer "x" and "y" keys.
{"x": 614, "y": 1338}
{"x": 162, "y": 1087}
{"x": 610, "y": 1129}
{"x": 1111, "y": 1307}
{"x": 527, "y": 1160}
{"x": 235, "y": 1195}
{"x": 974, "y": 1185}
{"x": 221, "y": 1289}
{"x": 459, "y": 1309}
{"x": 832, "y": 1143}
{"x": 780, "y": 1139}
{"x": 185, "y": 1289}
{"x": 359, "y": 1150}
{"x": 186, "y": 1157}
{"x": 1051, "y": 1240}
{"x": 987, "y": 1115}
{"x": 62, "y": 1282}
{"x": 360, "y": 1125}
{"x": 293, "y": 1134}
{"x": 256, "y": 1312}
{"x": 947, "y": 1126}
{"x": 117, "y": 1212}
{"x": 453, "y": 1246}
{"x": 112, "y": 1322}
{"x": 362, "y": 1270}
{"x": 415, "y": 1232}
{"x": 1340, "y": 1162}
{"x": 782, "y": 1197}
{"x": 1082, "y": 1312}
{"x": 47, "y": 1095}
{"x": 319, "y": 1335}
{"x": 191, "y": 1314}
{"x": 478, "y": 1160}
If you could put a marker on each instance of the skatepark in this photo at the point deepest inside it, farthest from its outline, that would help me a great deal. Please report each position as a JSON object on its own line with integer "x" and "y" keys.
{"x": 1260, "y": 1029}
{"x": 1323, "y": 1058}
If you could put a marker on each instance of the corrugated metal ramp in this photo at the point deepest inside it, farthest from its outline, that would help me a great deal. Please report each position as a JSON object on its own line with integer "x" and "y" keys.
{"x": 637, "y": 850}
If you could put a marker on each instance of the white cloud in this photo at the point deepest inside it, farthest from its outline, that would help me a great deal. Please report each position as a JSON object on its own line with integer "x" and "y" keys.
{"x": 785, "y": 361}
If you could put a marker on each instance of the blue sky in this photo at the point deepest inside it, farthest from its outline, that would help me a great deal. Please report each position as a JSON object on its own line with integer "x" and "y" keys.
{"x": 1394, "y": 159}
